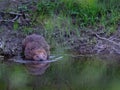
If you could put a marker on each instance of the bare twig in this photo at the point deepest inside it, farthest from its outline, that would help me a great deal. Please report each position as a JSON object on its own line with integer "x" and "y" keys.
{"x": 17, "y": 15}
{"x": 12, "y": 20}
{"x": 33, "y": 61}
{"x": 13, "y": 13}
{"x": 105, "y": 39}
{"x": 108, "y": 40}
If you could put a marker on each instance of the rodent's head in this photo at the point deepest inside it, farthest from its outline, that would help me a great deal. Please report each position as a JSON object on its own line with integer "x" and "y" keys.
{"x": 34, "y": 51}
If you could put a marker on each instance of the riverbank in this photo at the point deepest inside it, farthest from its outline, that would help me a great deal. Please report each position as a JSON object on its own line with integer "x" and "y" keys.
{"x": 65, "y": 28}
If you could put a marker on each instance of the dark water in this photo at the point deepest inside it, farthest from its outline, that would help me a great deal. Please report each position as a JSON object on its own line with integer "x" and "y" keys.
{"x": 71, "y": 73}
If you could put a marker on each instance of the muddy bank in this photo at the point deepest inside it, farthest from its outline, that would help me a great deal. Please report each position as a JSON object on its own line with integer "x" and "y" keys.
{"x": 107, "y": 44}
{"x": 90, "y": 41}
{"x": 87, "y": 43}
{"x": 10, "y": 41}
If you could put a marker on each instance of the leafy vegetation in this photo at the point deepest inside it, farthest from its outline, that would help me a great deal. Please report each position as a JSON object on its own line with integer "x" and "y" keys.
{"x": 65, "y": 15}
{"x": 83, "y": 12}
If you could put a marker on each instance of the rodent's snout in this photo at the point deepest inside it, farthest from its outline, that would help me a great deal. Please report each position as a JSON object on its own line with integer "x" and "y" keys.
{"x": 40, "y": 54}
{"x": 38, "y": 57}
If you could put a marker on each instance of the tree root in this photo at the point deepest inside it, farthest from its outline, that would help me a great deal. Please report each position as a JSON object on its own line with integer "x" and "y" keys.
{"x": 15, "y": 16}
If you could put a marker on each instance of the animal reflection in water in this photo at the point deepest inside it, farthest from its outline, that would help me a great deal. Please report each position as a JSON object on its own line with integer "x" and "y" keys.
{"x": 41, "y": 69}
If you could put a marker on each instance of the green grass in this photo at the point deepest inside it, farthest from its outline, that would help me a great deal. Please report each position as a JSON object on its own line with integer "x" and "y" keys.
{"x": 75, "y": 14}
{"x": 65, "y": 15}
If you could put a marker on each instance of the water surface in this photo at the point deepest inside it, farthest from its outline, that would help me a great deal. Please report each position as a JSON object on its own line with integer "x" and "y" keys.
{"x": 71, "y": 73}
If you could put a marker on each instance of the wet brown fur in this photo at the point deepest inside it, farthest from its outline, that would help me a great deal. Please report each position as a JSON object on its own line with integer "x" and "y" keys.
{"x": 34, "y": 42}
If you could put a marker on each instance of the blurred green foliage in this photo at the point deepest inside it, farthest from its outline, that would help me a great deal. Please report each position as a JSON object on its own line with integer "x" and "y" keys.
{"x": 88, "y": 12}
{"x": 71, "y": 15}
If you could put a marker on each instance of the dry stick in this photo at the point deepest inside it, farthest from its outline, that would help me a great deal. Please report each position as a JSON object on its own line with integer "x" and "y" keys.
{"x": 113, "y": 42}
{"x": 31, "y": 61}
{"x": 108, "y": 40}
{"x": 79, "y": 55}
{"x": 14, "y": 19}
{"x": 13, "y": 13}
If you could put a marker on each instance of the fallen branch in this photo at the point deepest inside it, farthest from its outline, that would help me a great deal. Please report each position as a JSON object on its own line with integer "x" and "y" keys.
{"x": 17, "y": 15}
{"x": 33, "y": 61}
{"x": 12, "y": 20}
{"x": 105, "y": 39}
